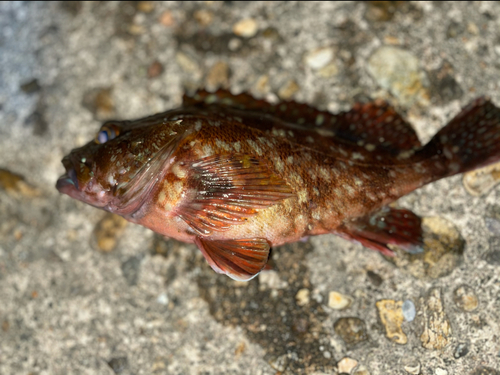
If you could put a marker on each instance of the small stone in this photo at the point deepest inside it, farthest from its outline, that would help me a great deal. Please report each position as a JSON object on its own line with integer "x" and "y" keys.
{"x": 465, "y": 298}
{"x": 352, "y": 330}
{"x": 108, "y": 231}
{"x": 155, "y": 69}
{"x": 162, "y": 299}
{"x": 118, "y": 365}
{"x": 218, "y": 76}
{"x": 374, "y": 278}
{"x": 30, "y": 87}
{"x": 399, "y": 72}
{"x": 240, "y": 349}
{"x": 279, "y": 363}
{"x": 130, "y": 269}
{"x": 338, "y": 301}
{"x": 186, "y": 63}
{"x": 437, "y": 329}
{"x": 246, "y": 28}
{"x": 167, "y": 19}
{"x": 362, "y": 370}
{"x": 409, "y": 311}
{"x": 319, "y": 58}
{"x": 443, "y": 250}
{"x": 204, "y": 17}
{"x": 441, "y": 371}
{"x": 262, "y": 84}
{"x": 481, "y": 181}
{"x": 270, "y": 279}
{"x": 302, "y": 297}
{"x": 146, "y": 6}
{"x": 329, "y": 71}
{"x": 391, "y": 315}
{"x": 288, "y": 90}
{"x": 413, "y": 368}
{"x": 346, "y": 365}
{"x": 15, "y": 185}
{"x": 461, "y": 350}
{"x": 100, "y": 103}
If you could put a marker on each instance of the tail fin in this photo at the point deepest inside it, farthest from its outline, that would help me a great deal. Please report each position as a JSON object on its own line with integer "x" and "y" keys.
{"x": 471, "y": 140}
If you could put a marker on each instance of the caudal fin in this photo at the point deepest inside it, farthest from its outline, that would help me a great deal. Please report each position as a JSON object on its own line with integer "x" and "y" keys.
{"x": 471, "y": 140}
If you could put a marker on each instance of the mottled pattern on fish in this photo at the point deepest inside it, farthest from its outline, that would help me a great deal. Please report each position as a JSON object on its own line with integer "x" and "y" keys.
{"x": 237, "y": 175}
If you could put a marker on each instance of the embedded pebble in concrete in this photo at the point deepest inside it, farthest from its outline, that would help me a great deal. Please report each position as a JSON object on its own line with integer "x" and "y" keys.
{"x": 481, "y": 181}
{"x": 302, "y": 297}
{"x": 409, "y": 311}
{"x": 338, "y": 301}
{"x": 16, "y": 186}
{"x": 107, "y": 232}
{"x": 288, "y": 90}
{"x": 346, "y": 365}
{"x": 465, "y": 298}
{"x": 218, "y": 76}
{"x": 399, "y": 72}
{"x": 443, "y": 251}
{"x": 437, "y": 330}
{"x": 246, "y": 28}
{"x": 351, "y": 329}
{"x": 319, "y": 58}
{"x": 391, "y": 316}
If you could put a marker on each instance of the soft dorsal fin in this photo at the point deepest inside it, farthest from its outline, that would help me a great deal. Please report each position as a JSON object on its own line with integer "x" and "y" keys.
{"x": 241, "y": 260}
{"x": 225, "y": 190}
{"x": 387, "y": 226}
{"x": 374, "y": 124}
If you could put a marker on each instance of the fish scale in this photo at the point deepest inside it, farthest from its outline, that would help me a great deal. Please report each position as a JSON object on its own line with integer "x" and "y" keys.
{"x": 237, "y": 176}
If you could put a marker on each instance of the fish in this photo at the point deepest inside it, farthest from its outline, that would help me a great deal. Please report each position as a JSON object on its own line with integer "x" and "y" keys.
{"x": 238, "y": 176}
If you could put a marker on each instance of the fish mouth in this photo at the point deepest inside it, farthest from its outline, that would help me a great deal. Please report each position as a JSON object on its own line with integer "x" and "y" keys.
{"x": 67, "y": 181}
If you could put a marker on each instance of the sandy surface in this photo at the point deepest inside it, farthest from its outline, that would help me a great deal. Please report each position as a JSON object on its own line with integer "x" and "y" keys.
{"x": 67, "y": 306}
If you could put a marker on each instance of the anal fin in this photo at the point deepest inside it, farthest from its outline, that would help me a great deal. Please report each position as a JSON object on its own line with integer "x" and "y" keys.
{"x": 389, "y": 226}
{"x": 241, "y": 260}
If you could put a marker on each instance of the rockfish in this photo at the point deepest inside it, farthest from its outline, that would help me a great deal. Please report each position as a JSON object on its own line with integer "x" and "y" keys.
{"x": 237, "y": 176}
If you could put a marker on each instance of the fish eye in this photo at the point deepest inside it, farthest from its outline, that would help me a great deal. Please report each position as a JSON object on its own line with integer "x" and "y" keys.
{"x": 107, "y": 133}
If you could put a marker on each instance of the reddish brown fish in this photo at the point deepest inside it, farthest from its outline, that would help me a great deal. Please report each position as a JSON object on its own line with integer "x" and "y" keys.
{"x": 237, "y": 175}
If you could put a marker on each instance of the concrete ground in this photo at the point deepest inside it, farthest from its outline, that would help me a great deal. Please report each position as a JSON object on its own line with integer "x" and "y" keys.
{"x": 82, "y": 292}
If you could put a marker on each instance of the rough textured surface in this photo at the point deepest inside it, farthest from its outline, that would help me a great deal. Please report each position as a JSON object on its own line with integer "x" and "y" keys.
{"x": 154, "y": 306}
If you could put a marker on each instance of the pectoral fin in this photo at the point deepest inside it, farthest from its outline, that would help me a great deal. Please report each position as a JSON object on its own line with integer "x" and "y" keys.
{"x": 241, "y": 260}
{"x": 387, "y": 226}
{"x": 227, "y": 189}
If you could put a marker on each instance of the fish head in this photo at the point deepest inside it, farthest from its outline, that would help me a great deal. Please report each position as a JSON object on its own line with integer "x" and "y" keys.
{"x": 118, "y": 169}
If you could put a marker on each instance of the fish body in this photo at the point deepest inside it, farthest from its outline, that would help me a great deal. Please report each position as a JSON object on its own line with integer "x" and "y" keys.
{"x": 237, "y": 176}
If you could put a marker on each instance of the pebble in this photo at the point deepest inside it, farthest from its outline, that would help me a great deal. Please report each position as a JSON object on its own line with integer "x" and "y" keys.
{"x": 30, "y": 86}
{"x": 162, "y": 299}
{"x": 441, "y": 371}
{"x": 108, "y": 231}
{"x": 362, "y": 370}
{"x": 409, "y": 311}
{"x": 270, "y": 279}
{"x": 437, "y": 329}
{"x": 319, "y": 58}
{"x": 288, "y": 90}
{"x": 481, "y": 181}
{"x": 329, "y": 71}
{"x": 262, "y": 84}
{"x": 218, "y": 76}
{"x": 204, "y": 17}
{"x": 118, "y": 364}
{"x": 186, "y": 63}
{"x": 338, "y": 301}
{"x": 461, "y": 350}
{"x": 15, "y": 185}
{"x": 391, "y": 316}
{"x": 465, "y": 298}
{"x": 411, "y": 365}
{"x": 351, "y": 329}
{"x": 167, "y": 19}
{"x": 399, "y": 72}
{"x": 443, "y": 250}
{"x": 246, "y": 28}
{"x": 155, "y": 69}
{"x": 346, "y": 365}
{"x": 100, "y": 103}
{"x": 302, "y": 297}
